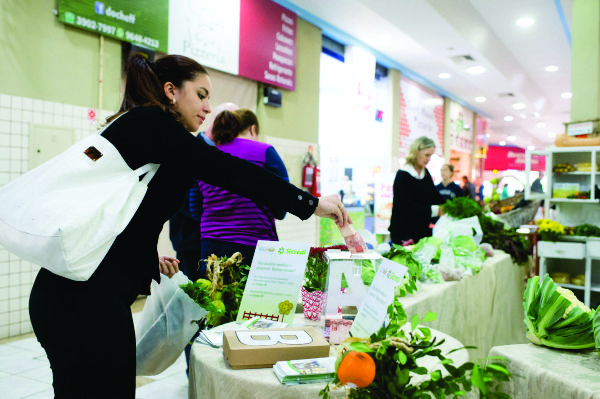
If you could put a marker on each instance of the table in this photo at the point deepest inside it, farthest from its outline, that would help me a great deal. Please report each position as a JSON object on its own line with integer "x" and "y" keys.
{"x": 484, "y": 310}
{"x": 541, "y": 372}
{"x": 212, "y": 378}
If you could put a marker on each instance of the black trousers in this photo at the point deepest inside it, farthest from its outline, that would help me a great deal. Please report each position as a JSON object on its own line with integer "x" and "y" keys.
{"x": 87, "y": 332}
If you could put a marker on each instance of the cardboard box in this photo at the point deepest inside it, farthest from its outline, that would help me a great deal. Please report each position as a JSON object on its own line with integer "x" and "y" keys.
{"x": 563, "y": 190}
{"x": 248, "y": 349}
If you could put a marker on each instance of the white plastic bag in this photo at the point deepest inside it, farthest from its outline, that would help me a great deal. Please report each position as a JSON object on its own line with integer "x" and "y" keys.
{"x": 165, "y": 325}
{"x": 448, "y": 227}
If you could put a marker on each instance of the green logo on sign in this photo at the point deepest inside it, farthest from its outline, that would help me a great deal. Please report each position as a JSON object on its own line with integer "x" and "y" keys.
{"x": 281, "y": 250}
{"x": 120, "y": 33}
{"x": 70, "y": 17}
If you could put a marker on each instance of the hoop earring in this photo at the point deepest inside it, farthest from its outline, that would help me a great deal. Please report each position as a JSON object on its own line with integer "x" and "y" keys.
{"x": 173, "y": 101}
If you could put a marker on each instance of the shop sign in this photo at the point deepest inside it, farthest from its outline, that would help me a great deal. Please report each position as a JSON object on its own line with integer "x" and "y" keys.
{"x": 511, "y": 158}
{"x": 141, "y": 23}
{"x": 421, "y": 114}
{"x": 251, "y": 38}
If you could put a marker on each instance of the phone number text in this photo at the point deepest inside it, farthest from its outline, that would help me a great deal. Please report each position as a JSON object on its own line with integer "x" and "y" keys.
{"x": 114, "y": 31}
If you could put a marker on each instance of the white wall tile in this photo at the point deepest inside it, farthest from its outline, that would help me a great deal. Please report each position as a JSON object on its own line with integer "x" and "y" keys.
{"x": 15, "y": 166}
{"x": 16, "y": 115}
{"x": 14, "y": 279}
{"x": 68, "y": 121}
{"x": 4, "y": 294}
{"x": 14, "y": 317}
{"x": 68, "y": 110}
{"x": 16, "y": 140}
{"x": 25, "y": 327}
{"x": 48, "y": 118}
{"x": 59, "y": 108}
{"x": 14, "y": 329}
{"x": 4, "y": 127}
{"x": 4, "y": 138}
{"x": 38, "y": 105}
{"x": 25, "y": 290}
{"x": 58, "y": 119}
{"x": 3, "y": 319}
{"x": 3, "y": 268}
{"x": 4, "y": 306}
{"x": 4, "y": 281}
{"x": 27, "y": 104}
{"x": 48, "y": 107}
{"x": 4, "y": 177}
{"x": 38, "y": 117}
{"x": 16, "y": 102}
{"x": 27, "y": 116}
{"x": 16, "y": 128}
{"x": 4, "y": 152}
{"x": 25, "y": 130}
{"x": 4, "y": 113}
{"x": 5, "y": 164}
{"x": 13, "y": 292}
{"x": 4, "y": 100}
{"x": 4, "y": 332}
{"x": 24, "y": 307}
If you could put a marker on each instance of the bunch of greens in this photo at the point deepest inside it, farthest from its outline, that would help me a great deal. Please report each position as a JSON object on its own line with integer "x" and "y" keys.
{"x": 401, "y": 255}
{"x": 461, "y": 208}
{"x": 220, "y": 294}
{"x": 596, "y": 324}
{"x": 315, "y": 275}
{"x": 554, "y": 316}
{"x": 507, "y": 240}
{"x": 427, "y": 244}
{"x": 587, "y": 230}
{"x": 395, "y": 352}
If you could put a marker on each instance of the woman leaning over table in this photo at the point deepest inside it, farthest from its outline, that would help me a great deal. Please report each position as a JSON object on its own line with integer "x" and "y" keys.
{"x": 416, "y": 200}
{"x": 86, "y": 327}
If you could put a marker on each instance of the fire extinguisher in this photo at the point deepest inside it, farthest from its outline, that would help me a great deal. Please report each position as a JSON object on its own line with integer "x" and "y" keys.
{"x": 308, "y": 172}
{"x": 315, "y": 189}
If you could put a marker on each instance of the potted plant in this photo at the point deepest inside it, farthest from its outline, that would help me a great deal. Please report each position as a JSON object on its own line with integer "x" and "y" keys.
{"x": 315, "y": 277}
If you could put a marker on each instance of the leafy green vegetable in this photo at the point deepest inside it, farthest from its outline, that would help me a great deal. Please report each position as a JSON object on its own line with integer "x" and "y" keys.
{"x": 507, "y": 240}
{"x": 465, "y": 242}
{"x": 401, "y": 255}
{"x": 596, "y": 324}
{"x": 587, "y": 230}
{"x": 424, "y": 242}
{"x": 315, "y": 275}
{"x": 396, "y": 351}
{"x": 461, "y": 208}
{"x": 554, "y": 317}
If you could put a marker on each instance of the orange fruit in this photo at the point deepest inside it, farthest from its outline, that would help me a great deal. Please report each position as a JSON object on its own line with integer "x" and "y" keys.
{"x": 356, "y": 368}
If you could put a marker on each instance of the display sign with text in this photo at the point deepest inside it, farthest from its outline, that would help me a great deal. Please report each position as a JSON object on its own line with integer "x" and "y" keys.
{"x": 274, "y": 281}
{"x": 141, "y": 23}
{"x": 373, "y": 311}
{"x": 383, "y": 201}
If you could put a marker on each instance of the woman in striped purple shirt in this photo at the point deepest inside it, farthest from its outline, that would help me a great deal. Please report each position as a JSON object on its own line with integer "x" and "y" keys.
{"x": 231, "y": 223}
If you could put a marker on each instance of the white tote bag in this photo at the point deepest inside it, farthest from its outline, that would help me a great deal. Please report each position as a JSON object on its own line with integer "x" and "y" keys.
{"x": 65, "y": 214}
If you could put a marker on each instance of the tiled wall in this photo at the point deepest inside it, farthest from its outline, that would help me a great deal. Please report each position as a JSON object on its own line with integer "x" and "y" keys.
{"x": 17, "y": 115}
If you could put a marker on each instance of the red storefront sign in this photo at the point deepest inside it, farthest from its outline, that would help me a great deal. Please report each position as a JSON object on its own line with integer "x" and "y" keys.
{"x": 509, "y": 157}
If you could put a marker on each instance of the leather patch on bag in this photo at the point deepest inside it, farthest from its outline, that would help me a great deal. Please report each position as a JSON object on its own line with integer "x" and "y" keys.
{"x": 93, "y": 153}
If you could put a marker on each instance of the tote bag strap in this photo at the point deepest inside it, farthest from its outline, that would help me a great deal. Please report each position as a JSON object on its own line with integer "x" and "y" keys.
{"x": 149, "y": 170}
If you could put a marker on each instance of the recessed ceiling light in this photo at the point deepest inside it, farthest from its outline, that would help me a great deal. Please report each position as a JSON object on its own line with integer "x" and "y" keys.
{"x": 525, "y": 22}
{"x": 509, "y": 118}
{"x": 511, "y": 138}
{"x": 444, "y": 75}
{"x": 551, "y": 134}
{"x": 551, "y": 68}
{"x": 531, "y": 147}
{"x": 518, "y": 106}
{"x": 540, "y": 124}
{"x": 480, "y": 99}
{"x": 502, "y": 142}
{"x": 476, "y": 70}
{"x": 566, "y": 95}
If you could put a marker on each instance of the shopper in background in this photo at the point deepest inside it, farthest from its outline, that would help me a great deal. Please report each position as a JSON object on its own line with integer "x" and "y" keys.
{"x": 469, "y": 188}
{"x": 536, "y": 186}
{"x": 416, "y": 199}
{"x": 231, "y": 223}
{"x": 480, "y": 196}
{"x": 447, "y": 188}
{"x": 86, "y": 327}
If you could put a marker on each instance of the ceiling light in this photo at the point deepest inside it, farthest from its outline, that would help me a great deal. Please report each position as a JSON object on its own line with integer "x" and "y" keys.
{"x": 552, "y": 135}
{"x": 531, "y": 147}
{"x": 502, "y": 142}
{"x": 511, "y": 138}
{"x": 476, "y": 70}
{"x": 566, "y": 95}
{"x": 480, "y": 99}
{"x": 551, "y": 68}
{"x": 540, "y": 124}
{"x": 509, "y": 118}
{"x": 525, "y": 22}
{"x": 518, "y": 106}
{"x": 444, "y": 75}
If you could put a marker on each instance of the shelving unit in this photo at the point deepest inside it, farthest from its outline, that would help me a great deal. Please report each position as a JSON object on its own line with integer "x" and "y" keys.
{"x": 581, "y": 253}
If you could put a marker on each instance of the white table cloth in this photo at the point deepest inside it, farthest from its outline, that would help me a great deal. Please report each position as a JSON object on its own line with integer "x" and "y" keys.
{"x": 540, "y": 372}
{"x": 212, "y": 378}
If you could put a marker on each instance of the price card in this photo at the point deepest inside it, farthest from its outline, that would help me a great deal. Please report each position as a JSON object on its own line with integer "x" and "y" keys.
{"x": 373, "y": 311}
{"x": 274, "y": 281}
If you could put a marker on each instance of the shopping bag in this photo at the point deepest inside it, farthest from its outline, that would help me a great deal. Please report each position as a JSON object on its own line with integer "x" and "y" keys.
{"x": 65, "y": 214}
{"x": 165, "y": 325}
{"x": 448, "y": 227}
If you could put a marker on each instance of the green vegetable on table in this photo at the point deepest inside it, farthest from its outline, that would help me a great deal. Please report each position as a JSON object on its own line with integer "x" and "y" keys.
{"x": 587, "y": 230}
{"x": 596, "y": 324}
{"x": 406, "y": 258}
{"x": 554, "y": 317}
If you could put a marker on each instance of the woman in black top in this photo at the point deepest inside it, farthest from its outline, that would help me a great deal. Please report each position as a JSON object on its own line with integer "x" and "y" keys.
{"x": 86, "y": 327}
{"x": 416, "y": 199}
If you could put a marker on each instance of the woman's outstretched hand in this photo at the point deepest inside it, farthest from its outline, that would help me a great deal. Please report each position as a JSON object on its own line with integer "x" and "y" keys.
{"x": 331, "y": 207}
{"x": 168, "y": 266}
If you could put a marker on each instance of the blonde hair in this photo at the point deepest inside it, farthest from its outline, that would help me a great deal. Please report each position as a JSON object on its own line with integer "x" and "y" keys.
{"x": 422, "y": 143}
